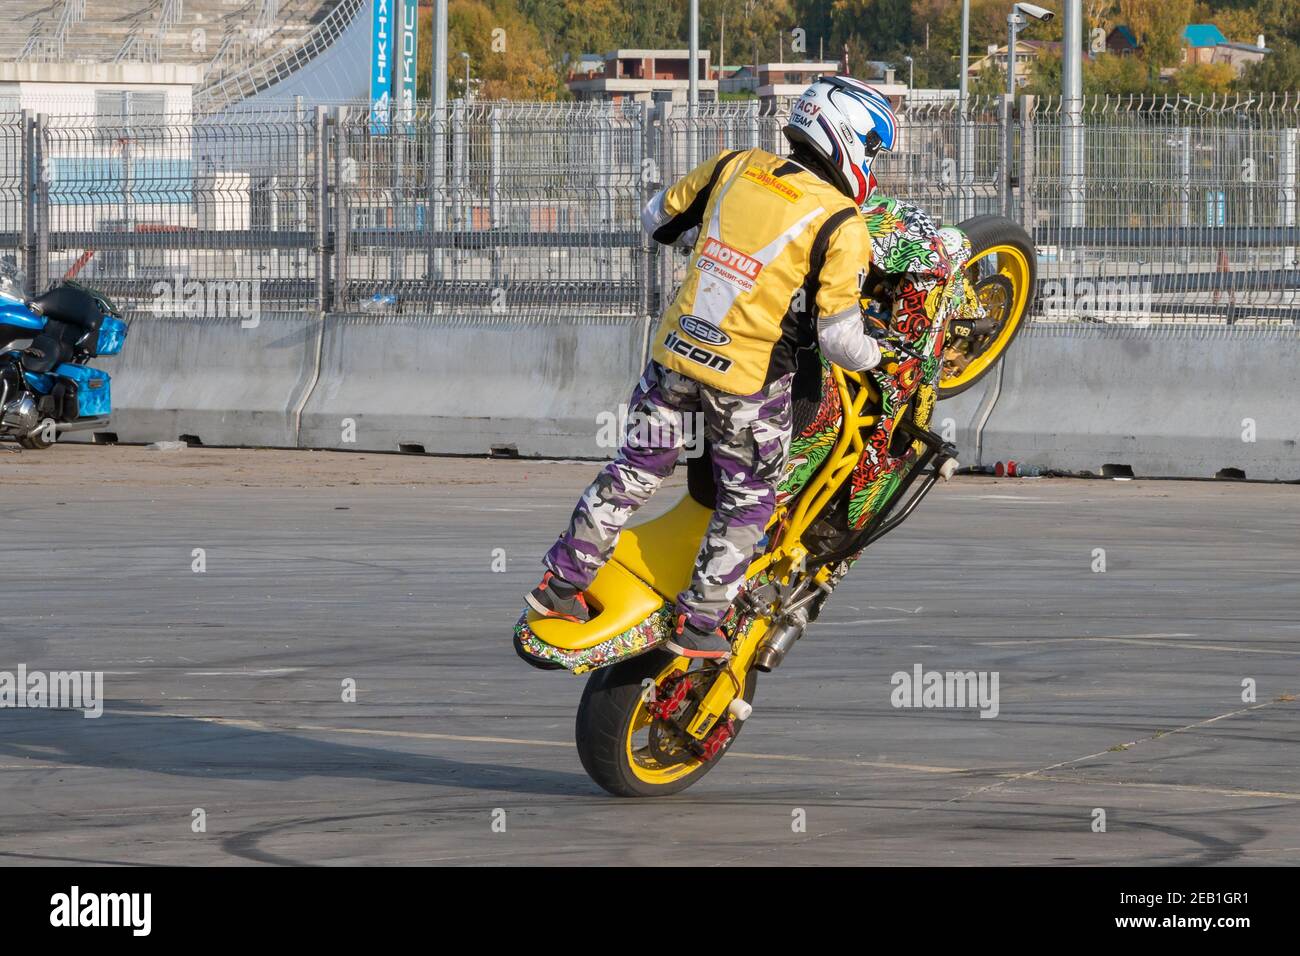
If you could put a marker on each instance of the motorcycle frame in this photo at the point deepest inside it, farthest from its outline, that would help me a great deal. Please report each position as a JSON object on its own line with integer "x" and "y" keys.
{"x": 789, "y": 561}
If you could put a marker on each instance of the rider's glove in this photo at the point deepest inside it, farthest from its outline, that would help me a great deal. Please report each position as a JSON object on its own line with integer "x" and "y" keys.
{"x": 893, "y": 352}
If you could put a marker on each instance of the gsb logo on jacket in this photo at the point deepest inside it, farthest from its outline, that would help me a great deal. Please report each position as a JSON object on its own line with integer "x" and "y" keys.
{"x": 705, "y": 331}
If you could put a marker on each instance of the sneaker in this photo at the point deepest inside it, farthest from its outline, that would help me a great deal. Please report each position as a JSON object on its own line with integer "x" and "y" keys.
{"x": 556, "y": 597}
{"x": 698, "y": 645}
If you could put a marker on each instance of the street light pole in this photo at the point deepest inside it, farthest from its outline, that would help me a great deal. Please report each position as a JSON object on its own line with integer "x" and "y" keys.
{"x": 694, "y": 87}
{"x": 1072, "y": 114}
{"x": 1014, "y": 22}
{"x": 465, "y": 57}
{"x": 911, "y": 75}
{"x": 966, "y": 148}
{"x": 965, "y": 53}
{"x": 439, "y": 57}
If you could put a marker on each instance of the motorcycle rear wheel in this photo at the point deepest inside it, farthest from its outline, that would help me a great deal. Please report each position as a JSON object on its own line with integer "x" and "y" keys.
{"x": 612, "y": 719}
{"x": 36, "y": 441}
{"x": 1002, "y": 268}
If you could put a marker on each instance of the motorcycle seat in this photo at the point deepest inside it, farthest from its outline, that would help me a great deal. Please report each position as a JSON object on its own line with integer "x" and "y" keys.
{"x": 662, "y": 551}
{"x": 619, "y": 601}
{"x": 652, "y": 562}
{"x": 70, "y": 305}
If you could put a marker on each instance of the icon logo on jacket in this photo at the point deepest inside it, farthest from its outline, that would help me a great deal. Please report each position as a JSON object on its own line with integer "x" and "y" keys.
{"x": 694, "y": 353}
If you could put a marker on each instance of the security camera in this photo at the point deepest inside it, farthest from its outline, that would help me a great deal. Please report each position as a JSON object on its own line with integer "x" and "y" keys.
{"x": 1035, "y": 11}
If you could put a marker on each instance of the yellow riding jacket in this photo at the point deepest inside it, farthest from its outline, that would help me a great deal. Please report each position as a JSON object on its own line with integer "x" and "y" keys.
{"x": 777, "y": 248}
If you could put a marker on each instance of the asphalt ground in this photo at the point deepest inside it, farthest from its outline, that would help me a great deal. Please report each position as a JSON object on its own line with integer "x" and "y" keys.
{"x": 1125, "y": 690}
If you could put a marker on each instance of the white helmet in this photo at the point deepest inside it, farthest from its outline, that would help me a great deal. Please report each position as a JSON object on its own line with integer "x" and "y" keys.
{"x": 846, "y": 122}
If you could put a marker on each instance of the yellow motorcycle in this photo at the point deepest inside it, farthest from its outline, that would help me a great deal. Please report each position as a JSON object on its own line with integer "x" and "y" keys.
{"x": 862, "y": 458}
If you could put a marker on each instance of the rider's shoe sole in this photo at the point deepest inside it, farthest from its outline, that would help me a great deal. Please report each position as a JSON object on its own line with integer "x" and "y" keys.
{"x": 698, "y": 655}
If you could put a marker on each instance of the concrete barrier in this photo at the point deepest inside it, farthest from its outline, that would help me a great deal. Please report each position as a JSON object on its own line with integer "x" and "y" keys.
{"x": 212, "y": 379}
{"x": 1180, "y": 402}
{"x": 397, "y": 382}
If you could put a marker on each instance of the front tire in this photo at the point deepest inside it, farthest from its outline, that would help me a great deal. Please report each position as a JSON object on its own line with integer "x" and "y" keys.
{"x": 1003, "y": 270}
{"x": 613, "y": 715}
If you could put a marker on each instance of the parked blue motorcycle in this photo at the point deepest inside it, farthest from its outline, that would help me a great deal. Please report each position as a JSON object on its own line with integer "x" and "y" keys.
{"x": 46, "y": 387}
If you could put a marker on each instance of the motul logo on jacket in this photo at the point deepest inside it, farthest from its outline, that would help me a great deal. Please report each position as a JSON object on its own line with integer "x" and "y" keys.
{"x": 733, "y": 259}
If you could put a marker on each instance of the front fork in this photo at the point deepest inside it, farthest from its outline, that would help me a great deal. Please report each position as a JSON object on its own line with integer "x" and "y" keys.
{"x": 770, "y": 618}
{"x": 772, "y": 615}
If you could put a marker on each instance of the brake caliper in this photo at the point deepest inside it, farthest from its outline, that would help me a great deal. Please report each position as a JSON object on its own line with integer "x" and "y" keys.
{"x": 716, "y": 742}
{"x": 670, "y": 697}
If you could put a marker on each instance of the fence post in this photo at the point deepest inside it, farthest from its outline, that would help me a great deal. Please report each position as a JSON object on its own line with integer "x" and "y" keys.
{"x": 27, "y": 185}
{"x": 645, "y": 178}
{"x": 966, "y": 164}
{"x": 436, "y": 221}
{"x": 1006, "y": 132}
{"x": 1287, "y": 174}
{"x": 496, "y": 160}
{"x": 40, "y": 275}
{"x": 1185, "y": 189}
{"x": 299, "y": 181}
{"x": 340, "y": 209}
{"x": 321, "y": 243}
{"x": 605, "y": 160}
{"x": 459, "y": 197}
{"x": 1028, "y": 213}
{"x": 668, "y": 173}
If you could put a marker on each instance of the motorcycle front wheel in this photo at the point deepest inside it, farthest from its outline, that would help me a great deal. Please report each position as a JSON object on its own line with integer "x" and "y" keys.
{"x": 1002, "y": 269}
{"x": 621, "y": 746}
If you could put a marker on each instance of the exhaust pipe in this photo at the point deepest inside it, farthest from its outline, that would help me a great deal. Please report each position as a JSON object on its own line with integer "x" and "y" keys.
{"x": 772, "y": 651}
{"x": 81, "y": 425}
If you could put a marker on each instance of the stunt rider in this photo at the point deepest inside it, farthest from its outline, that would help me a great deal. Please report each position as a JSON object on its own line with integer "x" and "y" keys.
{"x": 777, "y": 246}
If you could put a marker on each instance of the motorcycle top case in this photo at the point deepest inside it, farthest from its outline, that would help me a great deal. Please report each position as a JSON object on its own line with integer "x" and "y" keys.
{"x": 112, "y": 333}
{"x": 94, "y": 389}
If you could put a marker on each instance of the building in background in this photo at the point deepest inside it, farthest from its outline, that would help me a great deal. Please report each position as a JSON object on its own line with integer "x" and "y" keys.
{"x": 645, "y": 76}
{"x": 1027, "y": 55}
{"x": 1204, "y": 43}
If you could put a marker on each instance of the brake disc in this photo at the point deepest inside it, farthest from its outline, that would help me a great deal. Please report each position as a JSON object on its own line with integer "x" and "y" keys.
{"x": 667, "y": 744}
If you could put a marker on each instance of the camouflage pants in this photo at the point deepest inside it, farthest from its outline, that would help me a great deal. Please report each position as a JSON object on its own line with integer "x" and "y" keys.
{"x": 749, "y": 439}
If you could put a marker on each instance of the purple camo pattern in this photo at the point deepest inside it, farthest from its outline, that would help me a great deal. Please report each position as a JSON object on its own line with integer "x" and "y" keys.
{"x": 749, "y": 438}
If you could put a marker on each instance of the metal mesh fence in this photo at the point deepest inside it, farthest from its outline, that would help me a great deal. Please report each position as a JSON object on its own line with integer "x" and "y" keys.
{"x": 1189, "y": 215}
{"x": 13, "y": 190}
{"x": 499, "y": 210}
{"x": 523, "y": 212}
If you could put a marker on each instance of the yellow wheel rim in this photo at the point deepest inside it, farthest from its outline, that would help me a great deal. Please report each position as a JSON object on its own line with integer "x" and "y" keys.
{"x": 1011, "y": 263}
{"x": 637, "y": 748}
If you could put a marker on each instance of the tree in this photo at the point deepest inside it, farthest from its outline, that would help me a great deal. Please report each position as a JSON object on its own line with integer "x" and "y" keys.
{"x": 880, "y": 24}
{"x": 1202, "y": 79}
{"x": 1158, "y": 27}
{"x": 506, "y": 52}
{"x": 756, "y": 31}
{"x": 1046, "y": 77}
{"x": 1115, "y": 73}
{"x": 1278, "y": 72}
{"x": 1238, "y": 24}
